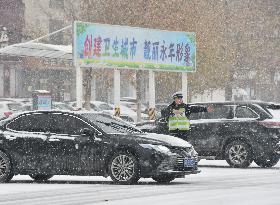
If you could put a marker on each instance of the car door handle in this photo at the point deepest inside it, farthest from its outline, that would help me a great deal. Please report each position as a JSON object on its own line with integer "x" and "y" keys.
{"x": 10, "y": 137}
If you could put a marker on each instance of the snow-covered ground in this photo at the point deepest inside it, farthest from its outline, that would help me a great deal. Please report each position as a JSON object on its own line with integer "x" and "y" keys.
{"x": 217, "y": 184}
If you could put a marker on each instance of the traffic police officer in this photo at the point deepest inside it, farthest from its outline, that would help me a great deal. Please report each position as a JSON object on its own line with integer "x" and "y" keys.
{"x": 177, "y": 115}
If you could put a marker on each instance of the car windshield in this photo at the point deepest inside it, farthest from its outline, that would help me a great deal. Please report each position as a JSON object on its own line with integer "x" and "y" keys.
{"x": 62, "y": 106}
{"x": 110, "y": 125}
{"x": 14, "y": 106}
{"x": 105, "y": 107}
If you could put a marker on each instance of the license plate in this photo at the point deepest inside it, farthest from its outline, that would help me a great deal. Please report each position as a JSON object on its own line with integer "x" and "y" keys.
{"x": 189, "y": 162}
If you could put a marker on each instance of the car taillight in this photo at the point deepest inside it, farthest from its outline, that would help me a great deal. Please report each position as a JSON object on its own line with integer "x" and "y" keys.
{"x": 7, "y": 114}
{"x": 270, "y": 124}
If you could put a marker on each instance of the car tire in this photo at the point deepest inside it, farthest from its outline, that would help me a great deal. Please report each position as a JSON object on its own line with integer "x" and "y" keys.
{"x": 238, "y": 154}
{"x": 6, "y": 171}
{"x": 124, "y": 168}
{"x": 41, "y": 177}
{"x": 163, "y": 178}
{"x": 269, "y": 162}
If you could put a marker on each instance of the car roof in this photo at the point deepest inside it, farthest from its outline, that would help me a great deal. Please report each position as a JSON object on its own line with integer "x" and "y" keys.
{"x": 235, "y": 103}
{"x": 57, "y": 111}
{"x": 59, "y": 103}
{"x": 98, "y": 103}
{"x": 9, "y": 102}
{"x": 130, "y": 99}
{"x": 75, "y": 113}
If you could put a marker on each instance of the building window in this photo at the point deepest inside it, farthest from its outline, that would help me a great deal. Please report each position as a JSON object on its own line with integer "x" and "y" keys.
{"x": 57, "y": 4}
{"x": 55, "y": 25}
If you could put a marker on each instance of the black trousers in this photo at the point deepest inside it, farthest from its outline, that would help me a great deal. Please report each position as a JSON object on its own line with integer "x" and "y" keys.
{"x": 180, "y": 134}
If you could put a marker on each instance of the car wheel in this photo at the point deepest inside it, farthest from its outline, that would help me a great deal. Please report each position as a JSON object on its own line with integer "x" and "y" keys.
{"x": 238, "y": 154}
{"x": 124, "y": 168}
{"x": 163, "y": 179}
{"x": 41, "y": 177}
{"x": 270, "y": 162}
{"x": 6, "y": 172}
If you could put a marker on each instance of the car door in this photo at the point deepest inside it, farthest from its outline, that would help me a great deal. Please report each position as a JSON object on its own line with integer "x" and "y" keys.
{"x": 207, "y": 129}
{"x": 70, "y": 151}
{"x": 26, "y": 136}
{"x": 245, "y": 120}
{"x": 61, "y": 145}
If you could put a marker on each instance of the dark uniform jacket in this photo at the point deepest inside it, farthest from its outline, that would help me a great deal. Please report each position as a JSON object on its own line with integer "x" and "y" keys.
{"x": 168, "y": 112}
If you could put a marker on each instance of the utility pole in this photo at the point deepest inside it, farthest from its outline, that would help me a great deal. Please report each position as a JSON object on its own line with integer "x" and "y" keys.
{"x": 87, "y": 85}
{"x": 229, "y": 86}
{"x": 139, "y": 76}
{"x": 152, "y": 98}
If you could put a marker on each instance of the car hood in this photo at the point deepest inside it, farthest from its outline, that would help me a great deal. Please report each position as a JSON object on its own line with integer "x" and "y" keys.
{"x": 153, "y": 138}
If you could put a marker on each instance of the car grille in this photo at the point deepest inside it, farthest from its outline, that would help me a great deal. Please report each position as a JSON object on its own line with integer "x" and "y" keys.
{"x": 176, "y": 164}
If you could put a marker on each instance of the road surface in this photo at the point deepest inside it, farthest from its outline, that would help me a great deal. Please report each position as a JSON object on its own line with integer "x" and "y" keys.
{"x": 217, "y": 184}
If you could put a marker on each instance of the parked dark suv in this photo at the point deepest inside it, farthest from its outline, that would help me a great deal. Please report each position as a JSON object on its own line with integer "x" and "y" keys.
{"x": 46, "y": 143}
{"x": 238, "y": 132}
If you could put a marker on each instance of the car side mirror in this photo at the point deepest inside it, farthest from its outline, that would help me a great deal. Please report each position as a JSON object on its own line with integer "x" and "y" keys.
{"x": 86, "y": 132}
{"x": 161, "y": 121}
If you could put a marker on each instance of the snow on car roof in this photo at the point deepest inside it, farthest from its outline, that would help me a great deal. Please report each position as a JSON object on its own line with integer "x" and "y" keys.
{"x": 233, "y": 102}
{"x": 57, "y": 111}
{"x": 9, "y": 102}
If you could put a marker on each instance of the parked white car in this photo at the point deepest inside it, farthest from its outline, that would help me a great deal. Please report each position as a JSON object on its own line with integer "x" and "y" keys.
{"x": 127, "y": 114}
{"x": 131, "y": 113}
{"x": 8, "y": 108}
{"x": 61, "y": 106}
{"x": 55, "y": 106}
{"x": 131, "y": 103}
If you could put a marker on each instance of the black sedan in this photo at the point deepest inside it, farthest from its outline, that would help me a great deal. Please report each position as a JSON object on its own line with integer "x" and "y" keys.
{"x": 46, "y": 143}
{"x": 238, "y": 132}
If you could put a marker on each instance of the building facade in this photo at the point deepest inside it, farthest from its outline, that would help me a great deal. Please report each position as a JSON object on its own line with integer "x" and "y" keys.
{"x": 27, "y": 20}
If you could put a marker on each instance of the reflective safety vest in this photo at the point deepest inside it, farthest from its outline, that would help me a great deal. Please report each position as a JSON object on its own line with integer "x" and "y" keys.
{"x": 180, "y": 123}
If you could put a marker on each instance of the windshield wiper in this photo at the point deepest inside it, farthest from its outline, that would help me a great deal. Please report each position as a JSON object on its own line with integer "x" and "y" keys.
{"x": 128, "y": 128}
{"x": 119, "y": 127}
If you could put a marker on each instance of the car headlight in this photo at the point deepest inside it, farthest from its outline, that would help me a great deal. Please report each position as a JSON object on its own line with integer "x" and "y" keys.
{"x": 158, "y": 148}
{"x": 192, "y": 152}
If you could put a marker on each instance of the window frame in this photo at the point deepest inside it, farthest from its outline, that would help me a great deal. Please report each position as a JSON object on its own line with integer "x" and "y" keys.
{"x": 202, "y": 115}
{"x": 20, "y": 118}
{"x": 248, "y": 108}
{"x": 77, "y": 118}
